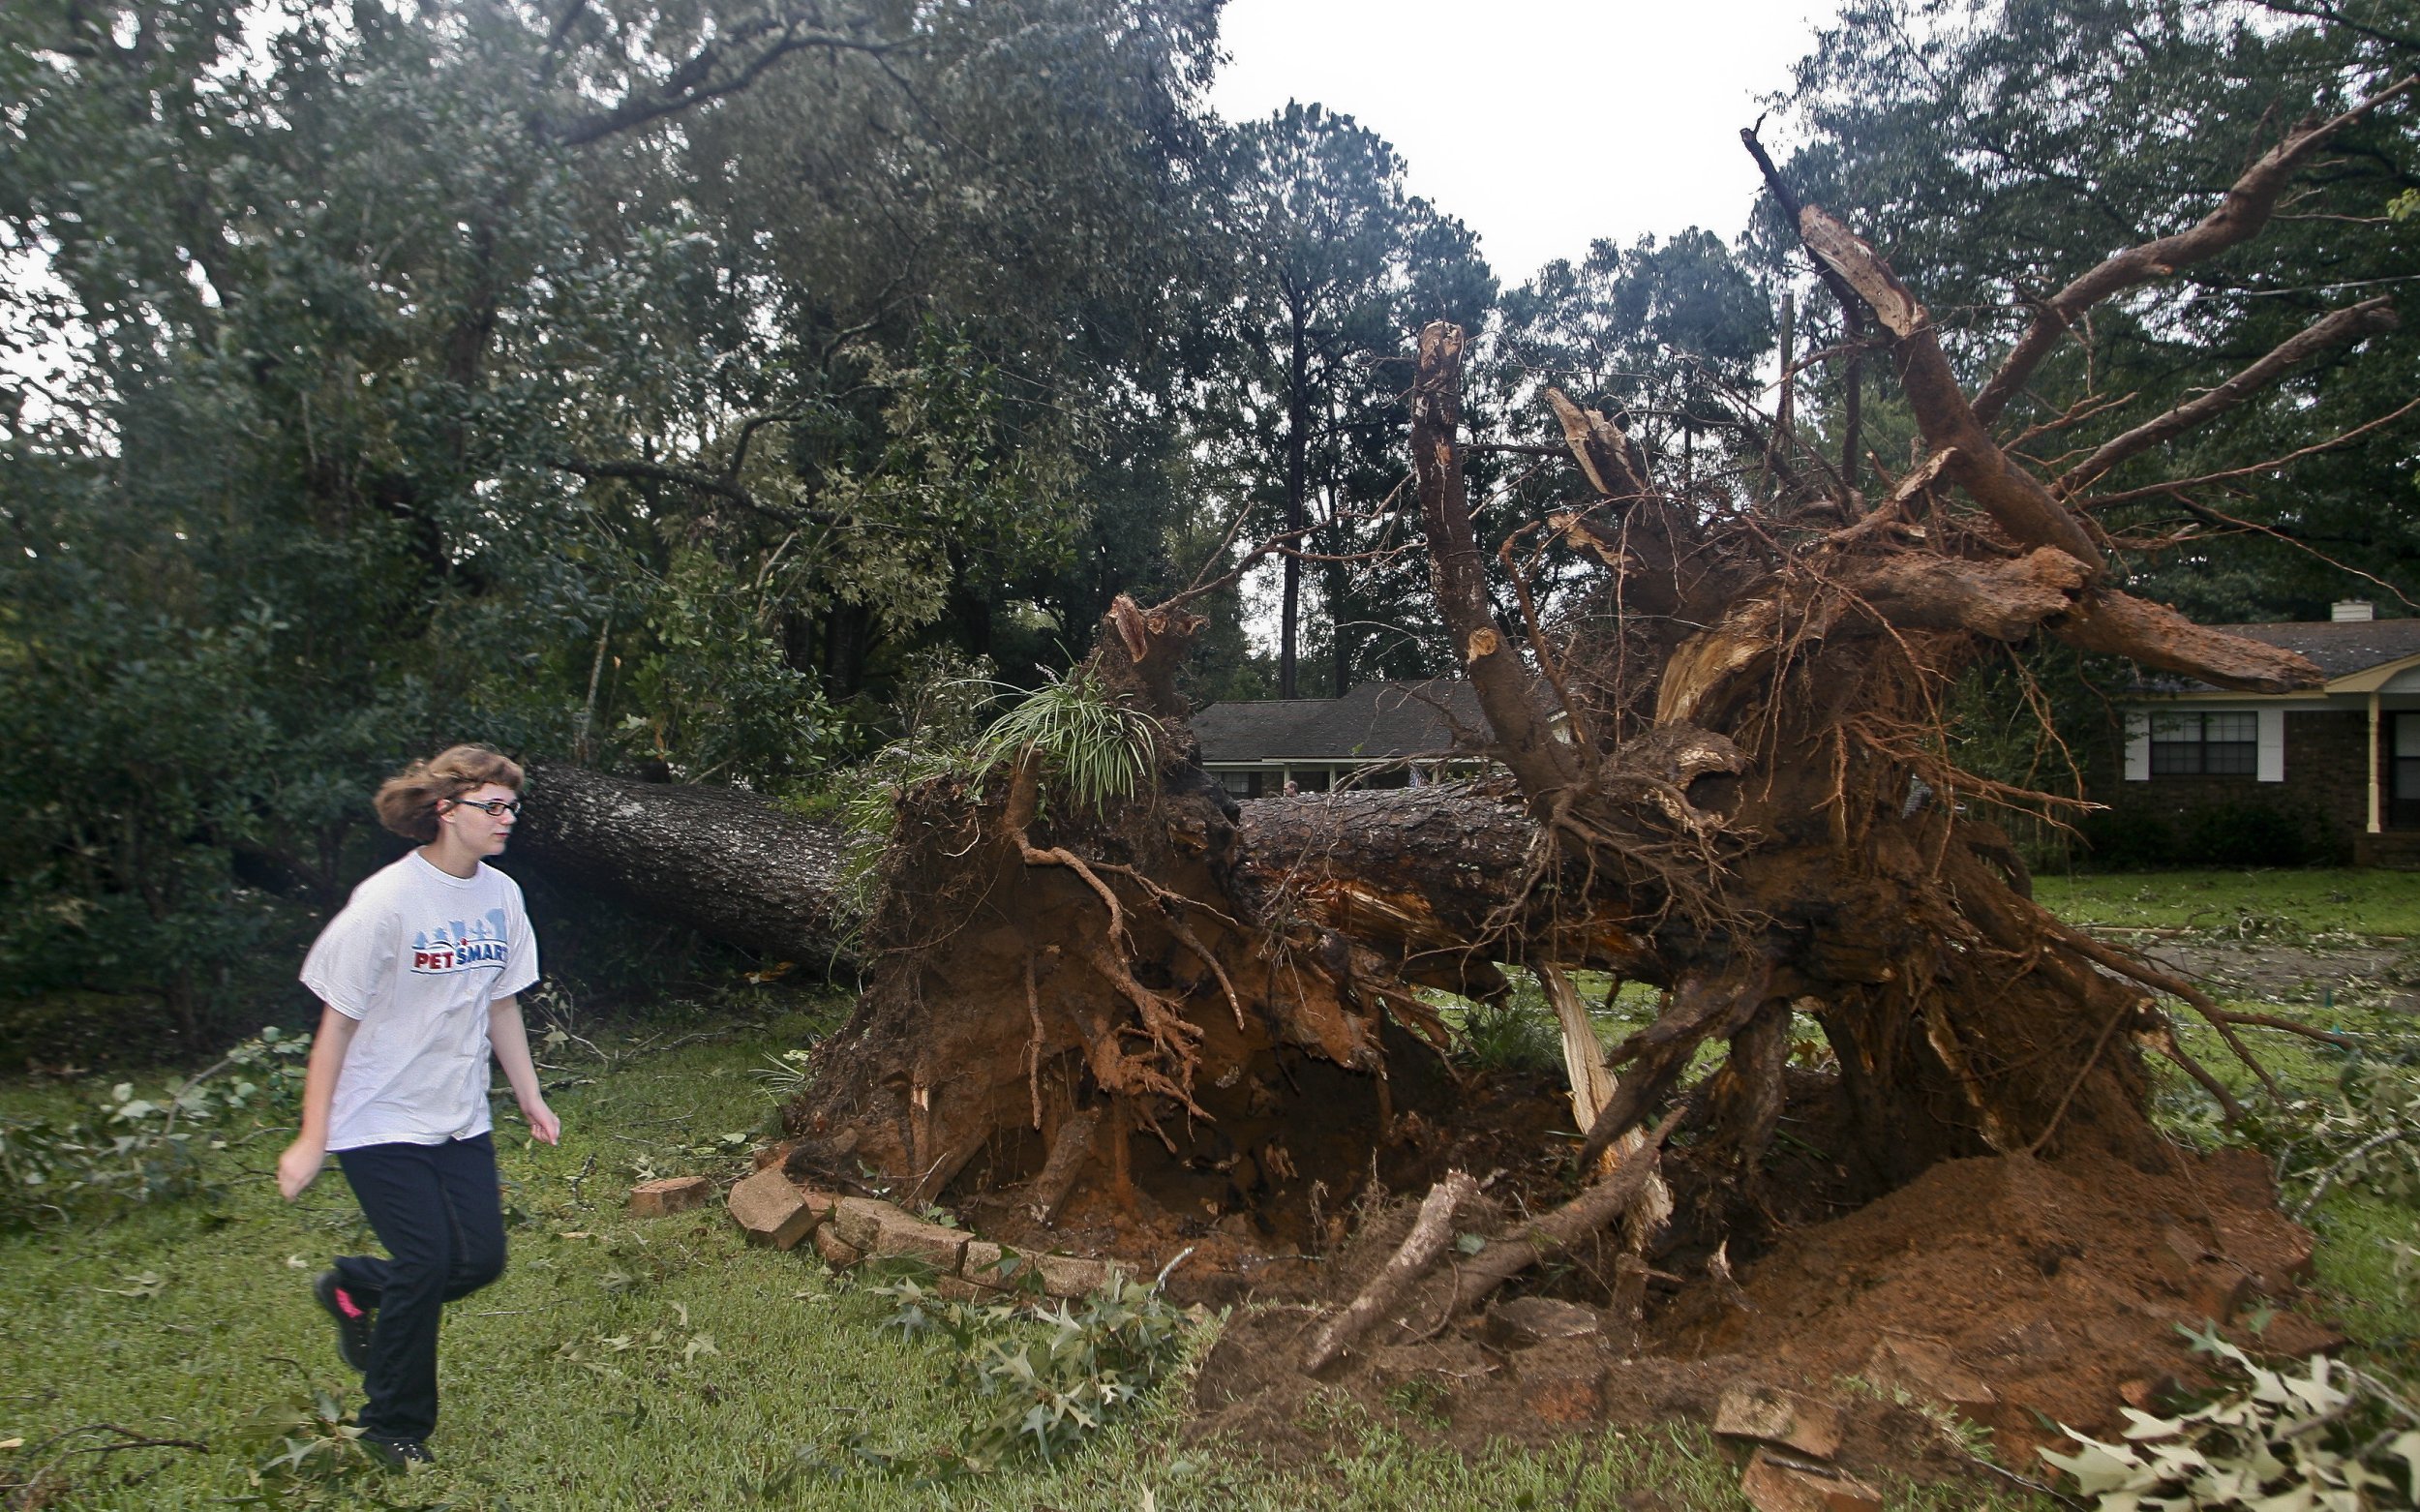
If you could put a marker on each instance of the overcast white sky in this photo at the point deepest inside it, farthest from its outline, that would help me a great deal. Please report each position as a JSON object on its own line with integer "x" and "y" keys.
{"x": 1543, "y": 124}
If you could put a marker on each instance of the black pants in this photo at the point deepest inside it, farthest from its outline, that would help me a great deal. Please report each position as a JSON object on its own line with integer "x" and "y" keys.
{"x": 436, "y": 1208}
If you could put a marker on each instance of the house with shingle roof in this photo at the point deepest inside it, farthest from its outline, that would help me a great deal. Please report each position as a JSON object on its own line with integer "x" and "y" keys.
{"x": 1383, "y": 734}
{"x": 2343, "y": 758}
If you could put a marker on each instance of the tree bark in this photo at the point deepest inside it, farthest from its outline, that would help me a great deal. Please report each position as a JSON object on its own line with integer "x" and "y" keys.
{"x": 721, "y": 861}
{"x": 1488, "y": 657}
{"x": 1297, "y": 485}
{"x": 2104, "y": 620}
{"x": 1417, "y": 877}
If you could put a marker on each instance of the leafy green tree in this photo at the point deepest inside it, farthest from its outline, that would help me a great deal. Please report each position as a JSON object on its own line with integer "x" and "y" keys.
{"x": 1341, "y": 265}
{"x": 1664, "y": 337}
{"x": 1667, "y": 335}
{"x": 2005, "y": 146}
{"x": 605, "y": 382}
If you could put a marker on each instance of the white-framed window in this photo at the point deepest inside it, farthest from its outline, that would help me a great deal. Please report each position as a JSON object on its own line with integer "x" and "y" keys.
{"x": 2203, "y": 744}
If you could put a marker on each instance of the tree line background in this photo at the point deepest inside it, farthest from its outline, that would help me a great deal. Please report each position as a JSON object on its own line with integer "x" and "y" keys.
{"x": 711, "y": 387}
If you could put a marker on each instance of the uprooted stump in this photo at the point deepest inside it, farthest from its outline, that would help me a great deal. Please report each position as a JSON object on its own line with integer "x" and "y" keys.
{"x": 1133, "y": 1017}
{"x": 1113, "y": 1029}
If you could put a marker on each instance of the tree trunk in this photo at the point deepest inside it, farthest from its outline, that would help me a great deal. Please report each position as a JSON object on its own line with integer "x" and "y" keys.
{"x": 1412, "y": 874}
{"x": 721, "y": 861}
{"x": 1297, "y": 484}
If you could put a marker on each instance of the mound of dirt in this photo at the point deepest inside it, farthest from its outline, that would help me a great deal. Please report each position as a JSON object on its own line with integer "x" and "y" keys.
{"x": 2011, "y": 1293}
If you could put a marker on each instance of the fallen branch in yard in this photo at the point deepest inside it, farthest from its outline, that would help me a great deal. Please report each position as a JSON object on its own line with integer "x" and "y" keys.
{"x": 1591, "y": 1210}
{"x": 1411, "y": 1260}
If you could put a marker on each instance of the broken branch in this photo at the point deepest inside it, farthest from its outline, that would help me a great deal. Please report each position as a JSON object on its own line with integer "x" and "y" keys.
{"x": 1566, "y": 1226}
{"x": 2339, "y": 328}
{"x": 1410, "y": 1260}
{"x": 2239, "y": 217}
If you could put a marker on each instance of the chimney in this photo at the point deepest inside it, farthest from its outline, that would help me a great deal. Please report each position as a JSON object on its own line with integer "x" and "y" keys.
{"x": 2350, "y": 611}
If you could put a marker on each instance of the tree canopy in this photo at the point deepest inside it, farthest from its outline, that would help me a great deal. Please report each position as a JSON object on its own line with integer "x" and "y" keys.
{"x": 679, "y": 386}
{"x": 2007, "y": 146}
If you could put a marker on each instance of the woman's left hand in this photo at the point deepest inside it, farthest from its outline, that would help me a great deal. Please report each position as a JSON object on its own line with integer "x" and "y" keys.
{"x": 542, "y": 1121}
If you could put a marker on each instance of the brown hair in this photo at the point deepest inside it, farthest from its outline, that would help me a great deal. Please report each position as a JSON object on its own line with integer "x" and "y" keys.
{"x": 408, "y": 800}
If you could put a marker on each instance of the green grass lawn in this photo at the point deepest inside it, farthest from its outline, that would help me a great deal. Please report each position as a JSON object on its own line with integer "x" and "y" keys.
{"x": 622, "y": 1364}
{"x": 2311, "y": 901}
{"x": 2368, "y": 1259}
{"x": 663, "y": 1364}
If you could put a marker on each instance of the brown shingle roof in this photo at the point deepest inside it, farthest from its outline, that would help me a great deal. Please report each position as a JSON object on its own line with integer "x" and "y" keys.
{"x": 1374, "y": 722}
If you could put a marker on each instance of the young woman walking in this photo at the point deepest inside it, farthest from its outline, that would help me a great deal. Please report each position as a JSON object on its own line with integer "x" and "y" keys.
{"x": 416, "y": 978}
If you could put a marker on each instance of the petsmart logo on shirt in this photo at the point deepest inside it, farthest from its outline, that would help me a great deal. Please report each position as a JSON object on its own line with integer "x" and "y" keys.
{"x": 454, "y": 948}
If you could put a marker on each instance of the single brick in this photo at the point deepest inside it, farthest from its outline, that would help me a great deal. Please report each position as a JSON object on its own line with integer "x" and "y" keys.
{"x": 1565, "y": 1390}
{"x": 771, "y": 1155}
{"x": 957, "y": 1289}
{"x": 771, "y": 1211}
{"x": 1928, "y": 1368}
{"x": 982, "y": 1265}
{"x": 1527, "y": 1321}
{"x": 838, "y": 1252}
{"x": 1774, "y": 1485}
{"x": 880, "y": 1228}
{"x": 670, "y": 1194}
{"x": 1779, "y": 1417}
{"x": 860, "y": 1218}
{"x": 2217, "y": 1291}
{"x": 1069, "y": 1276}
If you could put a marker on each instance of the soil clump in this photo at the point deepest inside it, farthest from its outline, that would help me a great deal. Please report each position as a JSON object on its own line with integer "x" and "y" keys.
{"x": 1977, "y": 1306}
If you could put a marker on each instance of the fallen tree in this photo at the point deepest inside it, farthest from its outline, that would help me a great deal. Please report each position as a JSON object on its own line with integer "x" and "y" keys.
{"x": 1415, "y": 873}
{"x": 1126, "y": 1013}
{"x": 722, "y": 861}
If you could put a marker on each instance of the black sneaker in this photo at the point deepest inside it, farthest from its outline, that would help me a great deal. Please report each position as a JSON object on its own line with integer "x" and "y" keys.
{"x": 352, "y": 1322}
{"x": 398, "y": 1454}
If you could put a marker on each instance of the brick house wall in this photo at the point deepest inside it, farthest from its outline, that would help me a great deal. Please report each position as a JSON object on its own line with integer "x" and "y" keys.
{"x": 2326, "y": 751}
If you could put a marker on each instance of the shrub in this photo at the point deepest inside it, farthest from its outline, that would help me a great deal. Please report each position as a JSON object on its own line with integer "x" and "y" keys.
{"x": 2247, "y": 834}
{"x": 2124, "y": 841}
{"x": 1094, "y": 750}
{"x": 2236, "y": 834}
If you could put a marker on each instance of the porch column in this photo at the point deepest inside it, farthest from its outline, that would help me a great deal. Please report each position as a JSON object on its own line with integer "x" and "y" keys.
{"x": 2375, "y": 826}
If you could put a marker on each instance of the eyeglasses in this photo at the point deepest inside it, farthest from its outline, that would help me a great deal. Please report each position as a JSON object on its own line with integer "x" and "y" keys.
{"x": 494, "y": 807}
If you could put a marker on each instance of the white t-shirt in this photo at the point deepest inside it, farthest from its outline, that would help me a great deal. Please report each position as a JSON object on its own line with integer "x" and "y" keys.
{"x": 414, "y": 958}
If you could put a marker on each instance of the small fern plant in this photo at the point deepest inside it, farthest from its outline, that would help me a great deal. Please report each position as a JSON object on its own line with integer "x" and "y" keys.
{"x": 1094, "y": 750}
